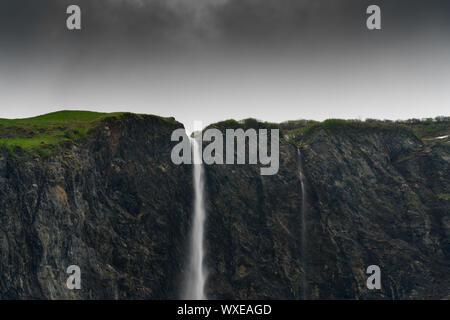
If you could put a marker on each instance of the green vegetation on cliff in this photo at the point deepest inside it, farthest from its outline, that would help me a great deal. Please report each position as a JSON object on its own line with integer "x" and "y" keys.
{"x": 423, "y": 129}
{"x": 43, "y": 135}
{"x": 245, "y": 124}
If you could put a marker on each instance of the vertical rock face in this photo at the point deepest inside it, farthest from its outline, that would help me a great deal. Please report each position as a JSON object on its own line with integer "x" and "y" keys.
{"x": 254, "y": 230}
{"x": 377, "y": 202}
{"x": 372, "y": 199}
{"x": 114, "y": 205}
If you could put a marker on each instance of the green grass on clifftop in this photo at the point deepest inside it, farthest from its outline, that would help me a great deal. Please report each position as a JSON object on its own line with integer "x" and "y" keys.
{"x": 421, "y": 128}
{"x": 245, "y": 124}
{"x": 43, "y": 134}
{"x": 301, "y": 131}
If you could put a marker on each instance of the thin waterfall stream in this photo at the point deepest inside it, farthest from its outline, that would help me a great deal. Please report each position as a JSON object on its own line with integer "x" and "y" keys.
{"x": 196, "y": 276}
{"x": 303, "y": 210}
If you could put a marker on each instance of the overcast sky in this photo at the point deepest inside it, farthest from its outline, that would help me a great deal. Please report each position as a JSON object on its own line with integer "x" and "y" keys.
{"x": 211, "y": 60}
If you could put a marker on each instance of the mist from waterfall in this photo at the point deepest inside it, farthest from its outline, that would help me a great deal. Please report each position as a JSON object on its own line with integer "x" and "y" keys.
{"x": 303, "y": 222}
{"x": 196, "y": 275}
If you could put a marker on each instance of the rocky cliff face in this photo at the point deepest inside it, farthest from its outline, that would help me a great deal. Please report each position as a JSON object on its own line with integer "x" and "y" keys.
{"x": 115, "y": 205}
{"x": 374, "y": 196}
{"x": 376, "y": 200}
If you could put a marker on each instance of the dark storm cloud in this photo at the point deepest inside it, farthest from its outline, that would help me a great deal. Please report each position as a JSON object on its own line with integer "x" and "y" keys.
{"x": 326, "y": 19}
{"x": 146, "y": 22}
{"x": 136, "y": 31}
{"x": 252, "y": 19}
{"x": 114, "y": 21}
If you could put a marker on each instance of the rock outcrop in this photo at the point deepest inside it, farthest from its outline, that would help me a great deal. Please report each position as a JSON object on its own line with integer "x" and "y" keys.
{"x": 114, "y": 205}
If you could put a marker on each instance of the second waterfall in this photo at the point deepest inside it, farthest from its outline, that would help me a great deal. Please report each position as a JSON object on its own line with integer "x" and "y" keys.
{"x": 303, "y": 211}
{"x": 197, "y": 274}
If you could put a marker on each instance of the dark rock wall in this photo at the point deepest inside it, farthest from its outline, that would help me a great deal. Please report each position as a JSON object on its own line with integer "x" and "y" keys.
{"x": 372, "y": 198}
{"x": 115, "y": 206}
{"x": 253, "y": 230}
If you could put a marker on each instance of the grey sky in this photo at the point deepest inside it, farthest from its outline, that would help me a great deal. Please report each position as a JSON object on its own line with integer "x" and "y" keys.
{"x": 212, "y": 60}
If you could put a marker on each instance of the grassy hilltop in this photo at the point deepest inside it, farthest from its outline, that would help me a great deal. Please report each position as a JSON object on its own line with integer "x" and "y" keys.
{"x": 44, "y": 134}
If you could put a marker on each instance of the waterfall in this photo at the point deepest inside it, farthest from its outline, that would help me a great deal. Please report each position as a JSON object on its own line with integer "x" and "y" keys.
{"x": 303, "y": 209}
{"x": 196, "y": 277}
